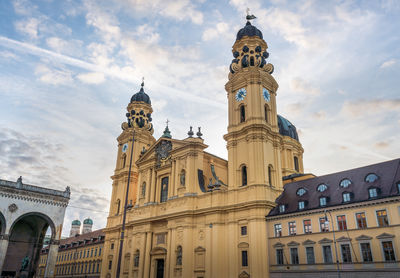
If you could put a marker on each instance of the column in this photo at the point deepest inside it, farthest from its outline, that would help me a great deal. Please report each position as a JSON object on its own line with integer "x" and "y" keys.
{"x": 51, "y": 259}
{"x": 153, "y": 187}
{"x": 3, "y": 250}
{"x": 171, "y": 189}
{"x": 147, "y": 263}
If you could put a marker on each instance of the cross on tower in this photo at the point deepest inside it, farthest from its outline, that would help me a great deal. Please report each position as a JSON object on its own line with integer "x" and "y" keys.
{"x": 167, "y": 122}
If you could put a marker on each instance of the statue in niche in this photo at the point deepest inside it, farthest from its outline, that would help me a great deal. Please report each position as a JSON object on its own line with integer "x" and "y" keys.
{"x": 25, "y": 263}
{"x": 183, "y": 177}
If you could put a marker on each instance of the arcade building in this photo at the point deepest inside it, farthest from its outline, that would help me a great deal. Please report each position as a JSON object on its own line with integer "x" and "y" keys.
{"x": 193, "y": 214}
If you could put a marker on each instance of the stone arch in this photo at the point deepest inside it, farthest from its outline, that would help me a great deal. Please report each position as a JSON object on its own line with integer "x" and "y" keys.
{"x": 2, "y": 224}
{"x": 38, "y": 214}
{"x": 26, "y": 235}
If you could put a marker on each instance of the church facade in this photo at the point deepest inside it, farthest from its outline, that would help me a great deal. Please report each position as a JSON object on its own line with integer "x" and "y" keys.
{"x": 191, "y": 213}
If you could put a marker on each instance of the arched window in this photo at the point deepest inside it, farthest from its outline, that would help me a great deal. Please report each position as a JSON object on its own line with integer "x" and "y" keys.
{"x": 345, "y": 183}
{"x": 301, "y": 192}
{"x": 118, "y": 204}
{"x": 270, "y": 175}
{"x": 296, "y": 163}
{"x": 179, "y": 255}
{"x": 322, "y": 187}
{"x": 242, "y": 114}
{"x": 371, "y": 178}
{"x": 266, "y": 113}
{"x": 123, "y": 160}
{"x": 244, "y": 175}
{"x": 251, "y": 61}
{"x": 144, "y": 189}
{"x": 164, "y": 190}
{"x": 136, "y": 259}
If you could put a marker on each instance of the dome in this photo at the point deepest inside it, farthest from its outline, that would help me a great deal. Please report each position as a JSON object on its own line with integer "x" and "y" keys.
{"x": 88, "y": 221}
{"x": 286, "y": 128}
{"x": 76, "y": 222}
{"x": 141, "y": 96}
{"x": 249, "y": 30}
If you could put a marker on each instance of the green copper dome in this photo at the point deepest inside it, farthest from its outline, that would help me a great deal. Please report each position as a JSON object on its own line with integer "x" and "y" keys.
{"x": 88, "y": 221}
{"x": 76, "y": 222}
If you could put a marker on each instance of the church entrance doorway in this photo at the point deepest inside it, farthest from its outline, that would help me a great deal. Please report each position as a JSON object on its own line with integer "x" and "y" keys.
{"x": 160, "y": 268}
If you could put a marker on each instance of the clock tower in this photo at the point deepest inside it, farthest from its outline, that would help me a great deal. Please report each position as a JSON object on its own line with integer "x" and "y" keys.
{"x": 138, "y": 126}
{"x": 253, "y": 139}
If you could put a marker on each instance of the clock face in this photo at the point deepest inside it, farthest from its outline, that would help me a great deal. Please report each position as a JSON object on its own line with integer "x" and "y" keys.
{"x": 266, "y": 95}
{"x": 125, "y": 147}
{"x": 240, "y": 94}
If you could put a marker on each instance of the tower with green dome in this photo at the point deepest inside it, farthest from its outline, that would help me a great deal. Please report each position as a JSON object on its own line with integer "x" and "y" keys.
{"x": 75, "y": 228}
{"x": 87, "y": 225}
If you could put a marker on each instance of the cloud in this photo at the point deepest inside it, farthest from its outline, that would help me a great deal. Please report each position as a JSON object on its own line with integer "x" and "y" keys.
{"x": 92, "y": 77}
{"x": 179, "y": 10}
{"x": 301, "y": 86}
{"x": 388, "y": 63}
{"x": 382, "y": 145}
{"x": 53, "y": 76}
{"x": 366, "y": 107}
{"x": 214, "y": 32}
{"x": 28, "y": 27}
{"x": 60, "y": 45}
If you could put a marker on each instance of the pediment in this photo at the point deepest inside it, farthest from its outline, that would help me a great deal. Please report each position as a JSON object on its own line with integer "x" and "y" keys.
{"x": 244, "y": 274}
{"x": 158, "y": 251}
{"x": 325, "y": 240}
{"x": 278, "y": 245}
{"x": 150, "y": 153}
{"x": 243, "y": 245}
{"x": 308, "y": 242}
{"x": 293, "y": 243}
{"x": 384, "y": 235}
{"x": 199, "y": 249}
{"x": 363, "y": 237}
{"x": 343, "y": 238}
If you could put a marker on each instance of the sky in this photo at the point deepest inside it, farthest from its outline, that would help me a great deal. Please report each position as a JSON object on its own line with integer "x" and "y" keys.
{"x": 69, "y": 68}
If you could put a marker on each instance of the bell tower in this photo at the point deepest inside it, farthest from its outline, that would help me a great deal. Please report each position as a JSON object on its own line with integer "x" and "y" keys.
{"x": 253, "y": 139}
{"x": 139, "y": 127}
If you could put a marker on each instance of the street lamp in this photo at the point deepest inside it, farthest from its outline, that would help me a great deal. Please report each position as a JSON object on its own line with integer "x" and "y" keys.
{"x": 334, "y": 240}
{"x": 126, "y": 207}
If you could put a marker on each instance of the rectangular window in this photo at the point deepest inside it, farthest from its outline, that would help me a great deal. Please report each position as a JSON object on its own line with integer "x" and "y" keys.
{"x": 243, "y": 230}
{"x": 112, "y": 246}
{"x": 161, "y": 238}
{"x": 109, "y": 265}
{"x": 388, "y": 251}
{"x": 327, "y": 253}
{"x": 292, "y": 228}
{"x": 310, "y": 255}
{"x": 87, "y": 254}
{"x": 100, "y": 251}
{"x": 323, "y": 224}
{"x": 346, "y": 197}
{"x": 382, "y": 218}
{"x": 373, "y": 192}
{"x": 307, "y": 226}
{"x": 361, "y": 220}
{"x": 294, "y": 256}
{"x": 278, "y": 230}
{"x": 91, "y": 253}
{"x": 244, "y": 258}
{"x": 322, "y": 201}
{"x": 346, "y": 253}
{"x": 164, "y": 190}
{"x": 366, "y": 252}
{"x": 282, "y": 208}
{"x": 342, "y": 224}
{"x": 301, "y": 205}
{"x": 279, "y": 256}
{"x": 95, "y": 252}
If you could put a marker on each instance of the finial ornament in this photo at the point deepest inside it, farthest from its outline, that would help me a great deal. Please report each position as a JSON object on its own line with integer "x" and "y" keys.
{"x": 199, "y": 134}
{"x": 249, "y": 16}
{"x": 190, "y": 132}
{"x": 167, "y": 122}
{"x": 142, "y": 82}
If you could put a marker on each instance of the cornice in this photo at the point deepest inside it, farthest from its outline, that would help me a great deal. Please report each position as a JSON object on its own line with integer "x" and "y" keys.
{"x": 30, "y": 198}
